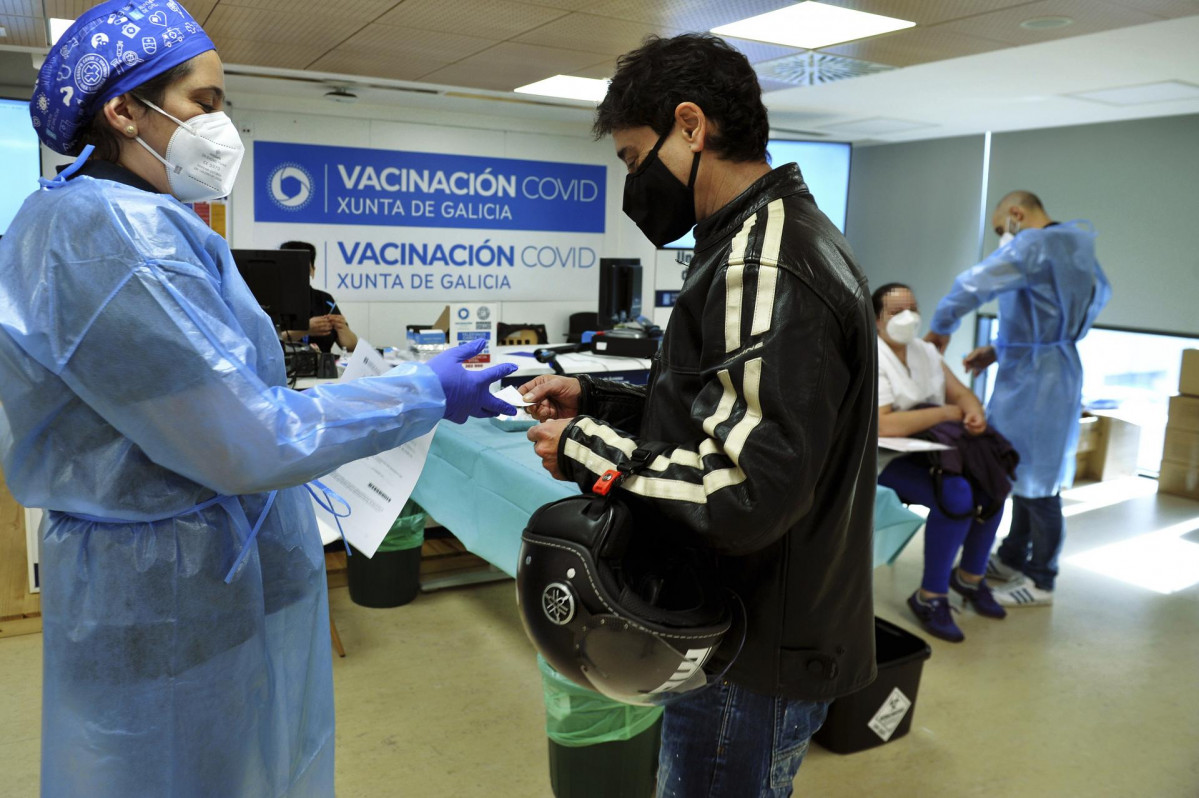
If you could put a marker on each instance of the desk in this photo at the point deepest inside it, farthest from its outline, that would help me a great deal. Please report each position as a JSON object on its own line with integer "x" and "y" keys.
{"x": 482, "y": 484}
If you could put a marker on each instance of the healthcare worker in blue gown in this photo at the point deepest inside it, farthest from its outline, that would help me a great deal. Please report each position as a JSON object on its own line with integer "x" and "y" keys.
{"x": 1050, "y": 289}
{"x": 185, "y": 615}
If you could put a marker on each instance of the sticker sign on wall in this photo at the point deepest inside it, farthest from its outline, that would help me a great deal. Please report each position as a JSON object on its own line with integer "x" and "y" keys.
{"x": 314, "y": 184}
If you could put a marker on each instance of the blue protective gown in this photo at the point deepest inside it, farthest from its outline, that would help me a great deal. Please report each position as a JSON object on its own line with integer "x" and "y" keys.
{"x": 139, "y": 380}
{"x": 1050, "y": 290}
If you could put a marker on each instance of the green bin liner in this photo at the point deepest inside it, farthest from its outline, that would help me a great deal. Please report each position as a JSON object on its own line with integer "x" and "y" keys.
{"x": 576, "y": 716}
{"x": 408, "y": 531}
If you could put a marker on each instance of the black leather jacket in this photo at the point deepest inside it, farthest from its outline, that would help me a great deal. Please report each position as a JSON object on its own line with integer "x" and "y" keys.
{"x": 764, "y": 398}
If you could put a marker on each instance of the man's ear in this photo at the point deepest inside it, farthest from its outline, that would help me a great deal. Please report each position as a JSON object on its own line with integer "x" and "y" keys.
{"x": 1017, "y": 213}
{"x": 691, "y": 121}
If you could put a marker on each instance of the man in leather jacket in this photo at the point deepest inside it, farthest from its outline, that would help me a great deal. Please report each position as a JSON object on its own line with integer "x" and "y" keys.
{"x": 762, "y": 401}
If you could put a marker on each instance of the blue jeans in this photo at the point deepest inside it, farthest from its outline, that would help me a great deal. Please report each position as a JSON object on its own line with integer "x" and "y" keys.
{"x": 728, "y": 742}
{"x": 1035, "y": 541}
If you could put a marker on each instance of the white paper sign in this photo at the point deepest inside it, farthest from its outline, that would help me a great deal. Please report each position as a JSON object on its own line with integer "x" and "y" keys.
{"x": 376, "y": 487}
{"x": 890, "y": 714}
{"x": 911, "y": 445}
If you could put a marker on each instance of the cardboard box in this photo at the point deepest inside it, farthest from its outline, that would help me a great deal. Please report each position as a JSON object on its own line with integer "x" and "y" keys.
{"x": 1182, "y": 447}
{"x": 1188, "y": 380}
{"x": 1178, "y": 480}
{"x": 1113, "y": 446}
{"x": 1184, "y": 413}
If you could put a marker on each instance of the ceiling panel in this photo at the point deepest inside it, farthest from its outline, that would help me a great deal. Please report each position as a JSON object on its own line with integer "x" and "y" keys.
{"x": 926, "y": 12}
{"x": 23, "y": 31}
{"x": 260, "y": 53}
{"x": 351, "y": 9}
{"x": 511, "y": 64}
{"x": 915, "y": 46}
{"x": 387, "y": 41}
{"x": 761, "y": 51}
{"x": 310, "y": 34}
{"x": 494, "y": 19}
{"x": 350, "y": 62}
{"x": 1090, "y": 16}
{"x": 20, "y": 8}
{"x": 687, "y": 15}
{"x": 566, "y": 5}
{"x": 589, "y": 33}
{"x": 1166, "y": 9}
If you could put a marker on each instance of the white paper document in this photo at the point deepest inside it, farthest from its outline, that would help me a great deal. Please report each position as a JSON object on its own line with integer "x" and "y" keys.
{"x": 375, "y": 488}
{"x": 911, "y": 445}
{"x": 512, "y": 397}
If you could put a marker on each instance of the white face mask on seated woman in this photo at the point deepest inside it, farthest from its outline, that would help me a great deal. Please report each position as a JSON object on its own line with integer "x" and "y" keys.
{"x": 903, "y": 326}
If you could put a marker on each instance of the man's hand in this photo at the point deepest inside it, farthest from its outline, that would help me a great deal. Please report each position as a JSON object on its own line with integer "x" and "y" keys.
{"x": 952, "y": 413}
{"x": 320, "y": 325}
{"x": 975, "y": 423}
{"x": 338, "y": 322}
{"x": 977, "y": 361}
{"x": 938, "y": 340}
{"x": 545, "y": 437}
{"x": 553, "y": 397}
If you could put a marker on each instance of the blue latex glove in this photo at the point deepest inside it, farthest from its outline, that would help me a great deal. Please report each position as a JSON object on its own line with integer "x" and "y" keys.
{"x": 465, "y": 390}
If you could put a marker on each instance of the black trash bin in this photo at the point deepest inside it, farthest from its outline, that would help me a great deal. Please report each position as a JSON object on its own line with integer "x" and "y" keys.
{"x": 392, "y": 577}
{"x": 882, "y": 710}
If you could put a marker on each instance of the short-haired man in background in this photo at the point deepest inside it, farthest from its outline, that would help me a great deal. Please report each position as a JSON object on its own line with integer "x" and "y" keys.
{"x": 763, "y": 402}
{"x": 1050, "y": 289}
{"x": 326, "y": 325}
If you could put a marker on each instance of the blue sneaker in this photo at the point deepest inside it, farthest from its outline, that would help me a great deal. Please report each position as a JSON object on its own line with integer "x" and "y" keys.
{"x": 979, "y": 595}
{"x": 934, "y": 615}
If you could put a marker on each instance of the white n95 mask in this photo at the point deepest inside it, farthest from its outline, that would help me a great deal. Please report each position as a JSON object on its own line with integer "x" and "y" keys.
{"x": 1005, "y": 239}
{"x": 202, "y": 157}
{"x": 903, "y": 326}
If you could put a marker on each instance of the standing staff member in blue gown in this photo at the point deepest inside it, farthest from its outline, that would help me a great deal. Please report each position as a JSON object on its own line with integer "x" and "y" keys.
{"x": 186, "y": 648}
{"x": 1050, "y": 289}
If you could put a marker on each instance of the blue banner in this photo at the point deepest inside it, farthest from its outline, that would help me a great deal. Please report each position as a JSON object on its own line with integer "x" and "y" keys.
{"x": 314, "y": 184}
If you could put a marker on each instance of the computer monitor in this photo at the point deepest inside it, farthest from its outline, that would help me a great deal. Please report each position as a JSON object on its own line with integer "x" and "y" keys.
{"x": 20, "y": 158}
{"x": 278, "y": 278}
{"x": 619, "y": 291}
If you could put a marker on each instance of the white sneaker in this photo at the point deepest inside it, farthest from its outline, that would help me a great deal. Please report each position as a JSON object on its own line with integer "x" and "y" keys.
{"x": 1022, "y": 593}
{"x": 997, "y": 571}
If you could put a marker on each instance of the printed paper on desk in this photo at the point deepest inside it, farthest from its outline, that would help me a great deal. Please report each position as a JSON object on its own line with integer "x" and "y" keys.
{"x": 911, "y": 445}
{"x": 376, "y": 487}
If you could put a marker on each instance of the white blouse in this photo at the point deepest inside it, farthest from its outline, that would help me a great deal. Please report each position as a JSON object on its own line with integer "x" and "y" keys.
{"x": 922, "y": 381}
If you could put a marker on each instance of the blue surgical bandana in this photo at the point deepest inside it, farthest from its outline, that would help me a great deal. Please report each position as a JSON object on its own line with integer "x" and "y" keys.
{"x": 109, "y": 50}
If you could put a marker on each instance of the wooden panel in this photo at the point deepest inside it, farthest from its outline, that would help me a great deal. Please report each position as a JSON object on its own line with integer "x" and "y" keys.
{"x": 388, "y": 41}
{"x": 23, "y": 31}
{"x": 589, "y": 33}
{"x": 915, "y": 46}
{"x": 1089, "y": 17}
{"x": 312, "y": 33}
{"x": 491, "y": 19}
{"x": 396, "y": 67}
{"x": 266, "y": 54}
{"x": 16, "y": 602}
{"x": 511, "y": 64}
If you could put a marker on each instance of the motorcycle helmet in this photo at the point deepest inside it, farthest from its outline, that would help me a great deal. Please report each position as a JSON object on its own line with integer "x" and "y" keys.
{"x": 629, "y": 614}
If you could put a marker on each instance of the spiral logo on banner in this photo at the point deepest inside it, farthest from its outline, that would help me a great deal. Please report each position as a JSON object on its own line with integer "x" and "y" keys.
{"x": 291, "y": 187}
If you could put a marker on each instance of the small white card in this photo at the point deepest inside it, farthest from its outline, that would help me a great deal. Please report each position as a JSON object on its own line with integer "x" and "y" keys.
{"x": 512, "y": 397}
{"x": 890, "y": 714}
{"x": 911, "y": 445}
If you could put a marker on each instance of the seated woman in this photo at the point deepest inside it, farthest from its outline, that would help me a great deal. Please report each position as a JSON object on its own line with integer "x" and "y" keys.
{"x": 911, "y": 376}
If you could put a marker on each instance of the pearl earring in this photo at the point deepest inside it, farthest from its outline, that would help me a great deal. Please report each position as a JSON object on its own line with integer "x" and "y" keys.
{"x": 131, "y": 130}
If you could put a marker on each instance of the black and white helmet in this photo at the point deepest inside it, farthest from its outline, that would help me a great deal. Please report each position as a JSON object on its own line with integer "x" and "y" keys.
{"x": 626, "y": 613}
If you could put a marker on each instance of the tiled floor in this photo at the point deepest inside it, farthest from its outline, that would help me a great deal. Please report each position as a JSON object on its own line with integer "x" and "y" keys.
{"x": 1096, "y": 696}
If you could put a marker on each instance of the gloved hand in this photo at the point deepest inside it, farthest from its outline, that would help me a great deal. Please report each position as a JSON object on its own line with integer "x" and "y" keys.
{"x": 465, "y": 390}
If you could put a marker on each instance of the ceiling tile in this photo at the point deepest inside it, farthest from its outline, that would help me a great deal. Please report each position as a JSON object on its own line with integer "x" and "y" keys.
{"x": 352, "y": 62}
{"x": 915, "y": 46}
{"x": 310, "y": 34}
{"x": 565, "y": 5}
{"x": 511, "y": 64}
{"x": 1090, "y": 16}
{"x": 387, "y": 41}
{"x": 491, "y": 19}
{"x": 926, "y": 12}
{"x": 589, "y": 33}
{"x": 351, "y": 9}
{"x": 602, "y": 71}
{"x": 260, "y": 53}
{"x": 761, "y": 51}
{"x": 1166, "y": 9}
{"x": 20, "y": 8}
{"x": 23, "y": 31}
{"x": 687, "y": 15}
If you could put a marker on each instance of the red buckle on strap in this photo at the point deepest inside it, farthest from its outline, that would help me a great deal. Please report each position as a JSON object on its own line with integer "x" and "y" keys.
{"x": 606, "y": 482}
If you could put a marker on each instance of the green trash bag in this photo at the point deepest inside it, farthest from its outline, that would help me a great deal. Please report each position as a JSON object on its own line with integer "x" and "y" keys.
{"x": 408, "y": 531}
{"x": 576, "y": 716}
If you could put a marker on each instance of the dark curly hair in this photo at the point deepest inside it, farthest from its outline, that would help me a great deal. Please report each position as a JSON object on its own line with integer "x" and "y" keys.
{"x": 652, "y": 80}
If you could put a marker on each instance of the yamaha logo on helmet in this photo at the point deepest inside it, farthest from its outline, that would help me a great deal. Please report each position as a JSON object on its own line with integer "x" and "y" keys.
{"x": 558, "y": 603}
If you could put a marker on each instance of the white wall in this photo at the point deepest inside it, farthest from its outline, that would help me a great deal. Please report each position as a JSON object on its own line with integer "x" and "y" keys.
{"x": 262, "y": 117}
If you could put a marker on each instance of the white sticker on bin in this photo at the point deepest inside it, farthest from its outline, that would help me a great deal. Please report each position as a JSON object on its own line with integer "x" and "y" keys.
{"x": 890, "y": 714}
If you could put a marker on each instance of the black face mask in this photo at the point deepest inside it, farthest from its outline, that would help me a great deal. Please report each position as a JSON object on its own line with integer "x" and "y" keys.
{"x": 657, "y": 202}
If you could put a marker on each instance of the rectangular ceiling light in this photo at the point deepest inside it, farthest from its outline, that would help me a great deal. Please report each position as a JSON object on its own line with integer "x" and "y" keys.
{"x": 58, "y": 27}
{"x": 811, "y": 25}
{"x": 1163, "y": 92}
{"x": 568, "y": 87}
